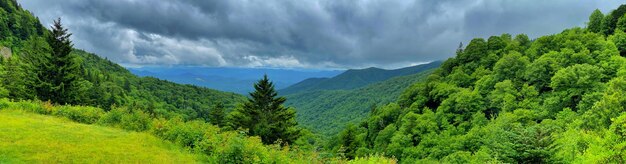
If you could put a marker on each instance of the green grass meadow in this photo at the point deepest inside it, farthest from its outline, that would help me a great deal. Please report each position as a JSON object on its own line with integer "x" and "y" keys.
{"x": 32, "y": 138}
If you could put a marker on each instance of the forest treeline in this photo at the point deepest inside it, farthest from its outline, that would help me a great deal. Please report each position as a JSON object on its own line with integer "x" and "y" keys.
{"x": 554, "y": 99}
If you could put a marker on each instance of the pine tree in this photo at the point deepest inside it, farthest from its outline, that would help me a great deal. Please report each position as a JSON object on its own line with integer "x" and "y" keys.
{"x": 60, "y": 80}
{"x": 216, "y": 115}
{"x": 264, "y": 115}
{"x": 3, "y": 92}
{"x": 18, "y": 78}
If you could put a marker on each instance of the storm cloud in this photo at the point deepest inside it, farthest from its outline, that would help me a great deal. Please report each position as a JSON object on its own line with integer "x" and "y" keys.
{"x": 307, "y": 34}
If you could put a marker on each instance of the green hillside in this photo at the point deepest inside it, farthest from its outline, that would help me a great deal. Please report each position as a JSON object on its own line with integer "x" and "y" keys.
{"x": 39, "y": 132}
{"x": 115, "y": 85}
{"x": 328, "y": 111}
{"x": 354, "y": 78}
{"x": 33, "y": 138}
{"x": 554, "y": 99}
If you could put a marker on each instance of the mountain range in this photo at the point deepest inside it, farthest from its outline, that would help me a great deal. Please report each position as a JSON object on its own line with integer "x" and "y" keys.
{"x": 355, "y": 78}
{"x": 237, "y": 80}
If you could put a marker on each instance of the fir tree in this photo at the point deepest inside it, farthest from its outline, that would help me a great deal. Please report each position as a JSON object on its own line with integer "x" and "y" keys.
{"x": 3, "y": 92}
{"x": 60, "y": 74}
{"x": 216, "y": 115}
{"x": 264, "y": 115}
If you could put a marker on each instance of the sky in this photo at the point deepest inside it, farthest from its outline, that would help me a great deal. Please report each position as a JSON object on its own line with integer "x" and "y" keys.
{"x": 316, "y": 34}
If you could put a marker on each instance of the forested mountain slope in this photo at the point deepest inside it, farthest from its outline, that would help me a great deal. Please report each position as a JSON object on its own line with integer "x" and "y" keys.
{"x": 354, "y": 78}
{"x": 150, "y": 93}
{"x": 99, "y": 82}
{"x": 328, "y": 111}
{"x": 555, "y": 99}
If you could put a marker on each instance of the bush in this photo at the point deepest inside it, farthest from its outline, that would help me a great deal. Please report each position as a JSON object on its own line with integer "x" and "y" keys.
{"x": 112, "y": 117}
{"x": 4, "y": 103}
{"x": 35, "y": 107}
{"x": 188, "y": 134}
{"x": 241, "y": 149}
{"x": 136, "y": 121}
{"x": 373, "y": 159}
{"x": 81, "y": 114}
{"x": 122, "y": 118}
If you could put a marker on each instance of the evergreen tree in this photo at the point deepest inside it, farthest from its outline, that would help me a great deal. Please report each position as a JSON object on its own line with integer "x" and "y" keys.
{"x": 216, "y": 115}
{"x": 18, "y": 78}
{"x": 60, "y": 74}
{"x": 3, "y": 92}
{"x": 264, "y": 115}
{"x": 595, "y": 21}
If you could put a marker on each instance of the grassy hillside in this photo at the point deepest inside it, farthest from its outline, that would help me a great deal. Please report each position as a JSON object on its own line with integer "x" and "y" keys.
{"x": 328, "y": 111}
{"x": 39, "y": 132}
{"x": 32, "y": 138}
{"x": 353, "y": 79}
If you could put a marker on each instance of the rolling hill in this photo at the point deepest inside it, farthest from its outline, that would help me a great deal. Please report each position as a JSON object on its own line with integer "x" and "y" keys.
{"x": 355, "y": 78}
{"x": 328, "y": 111}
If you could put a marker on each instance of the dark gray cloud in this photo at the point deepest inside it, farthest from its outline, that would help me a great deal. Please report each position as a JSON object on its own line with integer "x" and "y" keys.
{"x": 311, "y": 33}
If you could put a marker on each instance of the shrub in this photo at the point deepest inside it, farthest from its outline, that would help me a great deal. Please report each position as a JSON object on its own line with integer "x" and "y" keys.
{"x": 188, "y": 134}
{"x": 373, "y": 159}
{"x": 81, "y": 114}
{"x": 112, "y": 117}
{"x": 236, "y": 148}
{"x": 136, "y": 121}
{"x": 35, "y": 107}
{"x": 122, "y": 118}
{"x": 4, "y": 103}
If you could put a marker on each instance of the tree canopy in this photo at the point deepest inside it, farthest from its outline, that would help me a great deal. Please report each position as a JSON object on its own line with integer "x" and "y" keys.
{"x": 555, "y": 99}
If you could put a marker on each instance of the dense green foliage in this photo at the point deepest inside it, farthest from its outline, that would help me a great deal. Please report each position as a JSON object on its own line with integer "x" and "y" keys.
{"x": 556, "y": 99}
{"x": 264, "y": 115}
{"x": 327, "y": 112}
{"x": 354, "y": 78}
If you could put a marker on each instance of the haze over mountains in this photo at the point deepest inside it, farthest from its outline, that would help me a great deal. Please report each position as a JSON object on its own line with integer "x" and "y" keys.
{"x": 288, "y": 81}
{"x": 238, "y": 80}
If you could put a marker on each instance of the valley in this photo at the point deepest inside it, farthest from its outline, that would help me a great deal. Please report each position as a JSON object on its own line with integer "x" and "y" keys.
{"x": 258, "y": 82}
